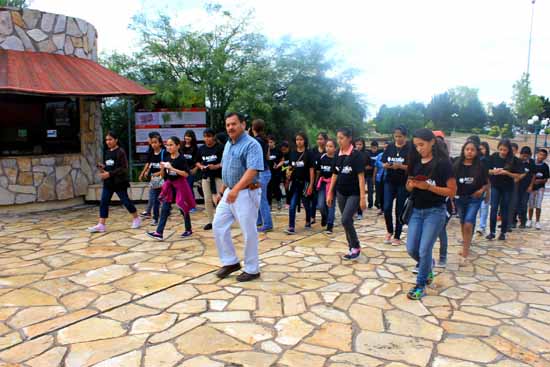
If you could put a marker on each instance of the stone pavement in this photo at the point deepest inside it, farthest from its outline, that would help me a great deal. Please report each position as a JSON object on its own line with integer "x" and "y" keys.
{"x": 70, "y": 298}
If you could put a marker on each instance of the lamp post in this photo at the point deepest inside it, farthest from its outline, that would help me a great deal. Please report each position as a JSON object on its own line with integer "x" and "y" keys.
{"x": 530, "y": 36}
{"x": 537, "y": 127}
{"x": 455, "y": 119}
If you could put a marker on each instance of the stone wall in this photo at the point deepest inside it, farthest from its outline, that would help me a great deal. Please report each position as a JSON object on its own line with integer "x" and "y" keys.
{"x": 33, "y": 30}
{"x": 55, "y": 177}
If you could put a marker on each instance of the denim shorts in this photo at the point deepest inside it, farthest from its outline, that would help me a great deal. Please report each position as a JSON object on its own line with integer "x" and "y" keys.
{"x": 467, "y": 207}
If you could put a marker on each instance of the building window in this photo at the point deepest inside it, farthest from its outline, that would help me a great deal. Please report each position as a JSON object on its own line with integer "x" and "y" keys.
{"x": 32, "y": 125}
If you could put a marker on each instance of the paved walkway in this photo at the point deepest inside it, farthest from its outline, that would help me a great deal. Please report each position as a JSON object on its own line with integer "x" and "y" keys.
{"x": 69, "y": 298}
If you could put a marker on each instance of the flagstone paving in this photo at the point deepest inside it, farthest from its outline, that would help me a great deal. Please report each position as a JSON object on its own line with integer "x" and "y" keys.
{"x": 70, "y": 298}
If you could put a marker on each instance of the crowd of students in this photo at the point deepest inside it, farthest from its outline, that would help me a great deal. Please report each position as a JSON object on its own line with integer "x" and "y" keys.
{"x": 411, "y": 181}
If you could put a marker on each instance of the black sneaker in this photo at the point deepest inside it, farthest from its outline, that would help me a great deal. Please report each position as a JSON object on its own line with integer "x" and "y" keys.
{"x": 145, "y": 215}
{"x": 328, "y": 230}
{"x": 490, "y": 236}
{"x": 207, "y": 227}
{"x": 323, "y": 222}
{"x": 509, "y": 229}
{"x": 245, "y": 277}
{"x": 157, "y": 236}
{"x": 502, "y": 237}
{"x": 353, "y": 254}
{"x": 522, "y": 226}
{"x": 186, "y": 234}
{"x": 308, "y": 226}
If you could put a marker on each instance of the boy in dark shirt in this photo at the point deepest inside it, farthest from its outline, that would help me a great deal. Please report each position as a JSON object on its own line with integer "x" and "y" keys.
{"x": 541, "y": 175}
{"x": 209, "y": 163}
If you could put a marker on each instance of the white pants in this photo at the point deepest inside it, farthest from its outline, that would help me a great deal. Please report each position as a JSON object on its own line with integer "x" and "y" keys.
{"x": 245, "y": 211}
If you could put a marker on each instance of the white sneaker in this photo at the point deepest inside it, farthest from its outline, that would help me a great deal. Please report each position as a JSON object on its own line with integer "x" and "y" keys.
{"x": 528, "y": 224}
{"x": 98, "y": 228}
{"x": 136, "y": 223}
{"x": 538, "y": 226}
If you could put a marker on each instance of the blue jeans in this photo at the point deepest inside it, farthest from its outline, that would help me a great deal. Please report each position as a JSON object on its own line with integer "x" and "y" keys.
{"x": 107, "y": 194}
{"x": 370, "y": 188}
{"x": 423, "y": 229}
{"x": 154, "y": 204}
{"x": 523, "y": 200}
{"x": 296, "y": 193}
{"x": 264, "y": 213}
{"x": 483, "y": 215}
{"x": 444, "y": 240}
{"x": 326, "y": 212}
{"x": 467, "y": 208}
{"x": 391, "y": 192}
{"x": 165, "y": 213}
{"x": 500, "y": 198}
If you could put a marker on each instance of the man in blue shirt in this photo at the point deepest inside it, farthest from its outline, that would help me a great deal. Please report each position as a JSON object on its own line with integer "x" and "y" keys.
{"x": 239, "y": 200}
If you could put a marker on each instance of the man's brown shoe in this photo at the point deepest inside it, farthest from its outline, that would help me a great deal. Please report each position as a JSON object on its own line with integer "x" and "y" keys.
{"x": 228, "y": 269}
{"x": 245, "y": 277}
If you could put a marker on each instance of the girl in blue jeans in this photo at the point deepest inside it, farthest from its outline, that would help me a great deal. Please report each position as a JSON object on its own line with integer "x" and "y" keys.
{"x": 472, "y": 184}
{"x": 324, "y": 172}
{"x": 430, "y": 180}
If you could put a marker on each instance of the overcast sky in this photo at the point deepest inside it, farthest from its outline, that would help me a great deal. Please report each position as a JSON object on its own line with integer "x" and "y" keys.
{"x": 406, "y": 50}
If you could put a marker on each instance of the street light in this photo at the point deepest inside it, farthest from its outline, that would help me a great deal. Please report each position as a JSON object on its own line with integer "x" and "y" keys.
{"x": 537, "y": 128}
{"x": 530, "y": 37}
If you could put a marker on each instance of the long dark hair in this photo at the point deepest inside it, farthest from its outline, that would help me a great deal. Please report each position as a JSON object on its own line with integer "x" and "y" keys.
{"x": 439, "y": 151}
{"x": 510, "y": 156}
{"x": 487, "y": 149}
{"x": 476, "y": 163}
{"x": 303, "y": 136}
{"x": 362, "y": 141}
{"x": 193, "y": 137}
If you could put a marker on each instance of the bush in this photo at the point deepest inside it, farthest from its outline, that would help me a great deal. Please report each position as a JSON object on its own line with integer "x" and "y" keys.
{"x": 476, "y": 130}
{"x": 494, "y": 131}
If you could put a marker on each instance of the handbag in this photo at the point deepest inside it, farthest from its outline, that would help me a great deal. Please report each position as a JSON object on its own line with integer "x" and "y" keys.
{"x": 407, "y": 210}
{"x": 157, "y": 181}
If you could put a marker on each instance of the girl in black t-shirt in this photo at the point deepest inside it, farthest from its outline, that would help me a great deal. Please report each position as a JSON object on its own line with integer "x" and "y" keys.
{"x": 348, "y": 186}
{"x": 174, "y": 170}
{"x": 395, "y": 160}
{"x": 158, "y": 155}
{"x": 301, "y": 175}
{"x": 114, "y": 174}
{"x": 190, "y": 152}
{"x": 484, "y": 154}
{"x": 430, "y": 181}
{"x": 503, "y": 169}
{"x": 324, "y": 170}
{"x": 471, "y": 177}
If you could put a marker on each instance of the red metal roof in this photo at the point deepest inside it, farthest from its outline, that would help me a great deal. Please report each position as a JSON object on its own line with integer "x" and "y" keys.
{"x": 51, "y": 74}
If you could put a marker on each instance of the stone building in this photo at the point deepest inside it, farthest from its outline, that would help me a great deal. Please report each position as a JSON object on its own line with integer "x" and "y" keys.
{"x": 50, "y": 118}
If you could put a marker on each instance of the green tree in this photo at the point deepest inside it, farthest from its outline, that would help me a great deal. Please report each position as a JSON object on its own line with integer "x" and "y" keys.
{"x": 501, "y": 114}
{"x": 526, "y": 105}
{"x": 411, "y": 115}
{"x": 217, "y": 61}
{"x": 441, "y": 110}
{"x": 471, "y": 112}
{"x": 15, "y": 3}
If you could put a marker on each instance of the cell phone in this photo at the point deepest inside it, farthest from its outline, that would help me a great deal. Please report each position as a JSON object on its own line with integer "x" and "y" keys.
{"x": 420, "y": 178}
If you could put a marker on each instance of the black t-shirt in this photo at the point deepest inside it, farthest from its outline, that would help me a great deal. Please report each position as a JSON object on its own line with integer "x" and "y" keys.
{"x": 371, "y": 161}
{"x": 315, "y": 156}
{"x": 541, "y": 173}
{"x": 265, "y": 148}
{"x": 116, "y": 164}
{"x": 155, "y": 159}
{"x": 528, "y": 168}
{"x": 502, "y": 181}
{"x": 211, "y": 155}
{"x": 325, "y": 166}
{"x": 300, "y": 163}
{"x": 179, "y": 163}
{"x": 470, "y": 179}
{"x": 190, "y": 154}
{"x": 347, "y": 167}
{"x": 393, "y": 154}
{"x": 274, "y": 158}
{"x": 443, "y": 171}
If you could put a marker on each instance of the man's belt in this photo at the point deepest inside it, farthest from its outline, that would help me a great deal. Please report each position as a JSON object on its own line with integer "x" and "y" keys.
{"x": 252, "y": 186}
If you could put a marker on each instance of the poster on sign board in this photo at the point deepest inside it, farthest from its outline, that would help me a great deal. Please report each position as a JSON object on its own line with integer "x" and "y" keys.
{"x": 168, "y": 123}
